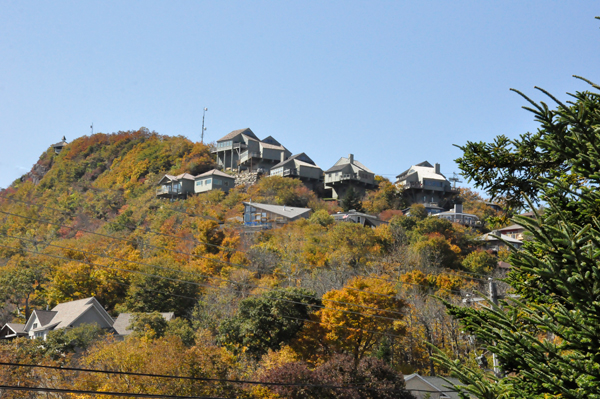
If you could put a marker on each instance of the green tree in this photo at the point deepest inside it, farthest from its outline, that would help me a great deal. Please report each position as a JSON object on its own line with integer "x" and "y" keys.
{"x": 480, "y": 262}
{"x": 19, "y": 282}
{"x": 418, "y": 211}
{"x": 68, "y": 340}
{"x": 547, "y": 340}
{"x": 267, "y": 321}
{"x": 351, "y": 200}
{"x": 150, "y": 325}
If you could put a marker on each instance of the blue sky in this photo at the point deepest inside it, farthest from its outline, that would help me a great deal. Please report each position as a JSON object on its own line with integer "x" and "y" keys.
{"x": 393, "y": 82}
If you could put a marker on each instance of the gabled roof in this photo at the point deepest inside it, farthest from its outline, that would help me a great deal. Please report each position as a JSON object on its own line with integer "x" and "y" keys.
{"x": 66, "y": 314}
{"x": 61, "y": 143}
{"x": 235, "y": 133}
{"x": 271, "y": 140}
{"x": 16, "y": 327}
{"x": 436, "y": 384}
{"x": 343, "y": 161}
{"x": 122, "y": 323}
{"x": 302, "y": 157}
{"x": 183, "y": 176}
{"x": 289, "y": 212}
{"x": 43, "y": 316}
{"x": 272, "y": 146}
{"x": 504, "y": 237}
{"x": 512, "y": 227}
{"x": 215, "y": 172}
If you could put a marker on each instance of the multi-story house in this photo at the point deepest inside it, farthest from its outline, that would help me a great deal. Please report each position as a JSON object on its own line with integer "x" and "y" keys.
{"x": 301, "y": 167}
{"x": 174, "y": 187}
{"x": 424, "y": 184}
{"x": 457, "y": 215}
{"x": 242, "y": 150}
{"x": 346, "y": 173}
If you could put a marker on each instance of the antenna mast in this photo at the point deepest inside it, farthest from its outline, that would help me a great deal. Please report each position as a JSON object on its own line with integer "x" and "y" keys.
{"x": 454, "y": 179}
{"x": 92, "y": 127}
{"x": 203, "y": 128}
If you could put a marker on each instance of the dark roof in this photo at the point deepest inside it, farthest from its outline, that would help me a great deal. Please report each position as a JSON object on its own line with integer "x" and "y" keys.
{"x": 336, "y": 168}
{"x": 301, "y": 157}
{"x": 16, "y": 327}
{"x": 45, "y": 316}
{"x": 122, "y": 322}
{"x": 425, "y": 163}
{"x": 271, "y": 140}
{"x": 231, "y": 135}
{"x": 289, "y": 212}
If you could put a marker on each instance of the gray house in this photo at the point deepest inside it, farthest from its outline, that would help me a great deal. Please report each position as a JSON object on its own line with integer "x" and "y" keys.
{"x": 301, "y": 167}
{"x": 67, "y": 315}
{"x": 268, "y": 216}
{"x": 213, "y": 180}
{"x": 430, "y": 387}
{"x": 124, "y": 320}
{"x": 60, "y": 145}
{"x": 241, "y": 149}
{"x": 179, "y": 186}
{"x": 346, "y": 173}
{"x": 12, "y": 330}
{"x": 424, "y": 184}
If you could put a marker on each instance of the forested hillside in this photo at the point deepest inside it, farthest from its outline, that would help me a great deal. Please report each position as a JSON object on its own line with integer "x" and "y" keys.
{"x": 312, "y": 302}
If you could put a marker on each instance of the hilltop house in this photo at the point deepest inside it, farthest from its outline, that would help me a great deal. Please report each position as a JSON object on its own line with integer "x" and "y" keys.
{"x": 60, "y": 145}
{"x": 241, "y": 149}
{"x": 301, "y": 167}
{"x": 456, "y": 215}
{"x": 268, "y": 216}
{"x": 346, "y": 173}
{"x": 424, "y": 184}
{"x": 67, "y": 315}
{"x": 493, "y": 243}
{"x": 213, "y": 180}
{"x": 179, "y": 186}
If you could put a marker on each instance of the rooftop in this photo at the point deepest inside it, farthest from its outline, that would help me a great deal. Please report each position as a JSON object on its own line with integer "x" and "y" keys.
{"x": 289, "y": 212}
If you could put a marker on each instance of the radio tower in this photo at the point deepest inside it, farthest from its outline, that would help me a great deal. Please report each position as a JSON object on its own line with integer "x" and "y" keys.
{"x": 454, "y": 179}
{"x": 203, "y": 128}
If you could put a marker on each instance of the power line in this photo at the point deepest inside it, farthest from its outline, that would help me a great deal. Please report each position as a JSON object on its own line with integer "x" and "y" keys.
{"x": 84, "y": 392}
{"x": 205, "y": 379}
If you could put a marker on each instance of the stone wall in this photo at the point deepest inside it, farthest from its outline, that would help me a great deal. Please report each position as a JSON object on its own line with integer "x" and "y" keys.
{"x": 246, "y": 179}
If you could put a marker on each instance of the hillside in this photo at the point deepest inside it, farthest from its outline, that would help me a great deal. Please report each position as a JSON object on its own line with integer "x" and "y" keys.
{"x": 86, "y": 222}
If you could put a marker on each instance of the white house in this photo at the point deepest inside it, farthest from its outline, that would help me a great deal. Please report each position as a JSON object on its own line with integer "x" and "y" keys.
{"x": 67, "y": 315}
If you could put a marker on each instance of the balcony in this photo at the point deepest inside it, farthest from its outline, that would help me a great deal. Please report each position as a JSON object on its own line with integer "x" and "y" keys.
{"x": 246, "y": 155}
{"x": 229, "y": 146}
{"x": 168, "y": 190}
{"x": 290, "y": 172}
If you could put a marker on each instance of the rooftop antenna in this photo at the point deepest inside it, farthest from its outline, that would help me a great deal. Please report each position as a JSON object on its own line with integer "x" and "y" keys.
{"x": 92, "y": 127}
{"x": 203, "y": 128}
{"x": 454, "y": 179}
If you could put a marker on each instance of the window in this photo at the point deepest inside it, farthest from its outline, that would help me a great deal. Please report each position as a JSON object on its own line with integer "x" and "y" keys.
{"x": 208, "y": 181}
{"x": 35, "y": 325}
{"x": 226, "y": 183}
{"x": 199, "y": 182}
{"x": 217, "y": 182}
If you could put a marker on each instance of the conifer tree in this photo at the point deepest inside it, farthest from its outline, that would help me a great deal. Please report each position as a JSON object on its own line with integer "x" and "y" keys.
{"x": 351, "y": 200}
{"x": 547, "y": 340}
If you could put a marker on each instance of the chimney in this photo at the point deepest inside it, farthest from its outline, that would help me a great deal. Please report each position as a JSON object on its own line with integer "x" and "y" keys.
{"x": 458, "y": 208}
{"x": 282, "y": 156}
{"x": 437, "y": 169}
{"x": 351, "y": 158}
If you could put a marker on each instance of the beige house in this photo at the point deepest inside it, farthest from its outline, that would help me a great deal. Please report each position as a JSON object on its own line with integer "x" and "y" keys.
{"x": 346, "y": 173}
{"x": 213, "y": 180}
{"x": 173, "y": 187}
{"x": 242, "y": 150}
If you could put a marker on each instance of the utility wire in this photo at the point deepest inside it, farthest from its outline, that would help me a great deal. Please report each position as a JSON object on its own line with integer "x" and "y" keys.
{"x": 84, "y": 392}
{"x": 204, "y": 379}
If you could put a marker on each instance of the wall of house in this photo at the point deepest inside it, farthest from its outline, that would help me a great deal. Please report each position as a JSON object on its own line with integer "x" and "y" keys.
{"x": 92, "y": 316}
{"x": 419, "y": 385}
{"x": 311, "y": 173}
{"x": 271, "y": 154}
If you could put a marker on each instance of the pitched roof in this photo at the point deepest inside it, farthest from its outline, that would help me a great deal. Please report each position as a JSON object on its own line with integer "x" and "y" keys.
{"x": 231, "y": 135}
{"x": 343, "y": 161}
{"x": 16, "y": 327}
{"x": 425, "y": 171}
{"x": 271, "y": 140}
{"x": 504, "y": 237}
{"x": 215, "y": 172}
{"x": 68, "y": 312}
{"x": 185, "y": 176}
{"x": 122, "y": 322}
{"x": 302, "y": 158}
{"x": 44, "y": 316}
{"x": 289, "y": 212}
{"x": 272, "y": 146}
{"x": 512, "y": 227}
{"x": 437, "y": 383}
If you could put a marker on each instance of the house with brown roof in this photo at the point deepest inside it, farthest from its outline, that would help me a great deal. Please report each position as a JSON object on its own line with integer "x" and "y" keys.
{"x": 213, "y": 180}
{"x": 346, "y": 173}
{"x": 300, "y": 166}
{"x": 67, "y": 315}
{"x": 174, "y": 187}
{"x": 243, "y": 150}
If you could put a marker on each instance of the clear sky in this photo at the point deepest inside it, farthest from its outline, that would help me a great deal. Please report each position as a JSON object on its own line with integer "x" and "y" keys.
{"x": 393, "y": 82}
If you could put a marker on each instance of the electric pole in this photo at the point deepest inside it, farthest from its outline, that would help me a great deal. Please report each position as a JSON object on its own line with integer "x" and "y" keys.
{"x": 203, "y": 128}
{"x": 494, "y": 299}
